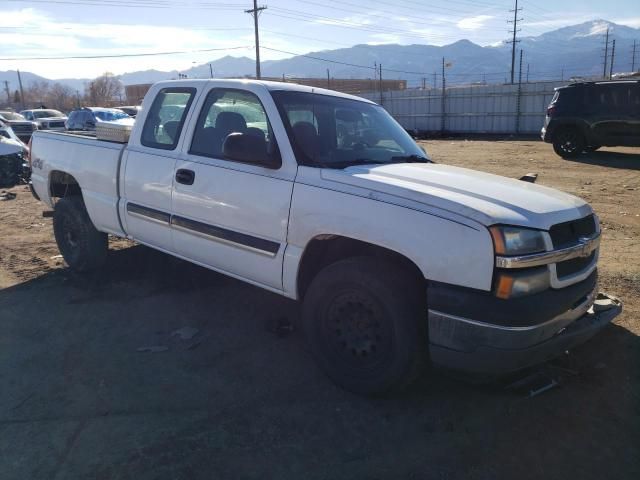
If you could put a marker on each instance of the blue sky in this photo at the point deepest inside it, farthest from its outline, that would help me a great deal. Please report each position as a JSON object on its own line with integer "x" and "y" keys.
{"x": 44, "y": 28}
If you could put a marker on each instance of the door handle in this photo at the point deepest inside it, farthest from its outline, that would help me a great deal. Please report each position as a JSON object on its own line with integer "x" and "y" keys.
{"x": 186, "y": 177}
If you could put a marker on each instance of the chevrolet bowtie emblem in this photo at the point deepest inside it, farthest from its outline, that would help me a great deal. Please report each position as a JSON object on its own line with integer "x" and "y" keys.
{"x": 586, "y": 246}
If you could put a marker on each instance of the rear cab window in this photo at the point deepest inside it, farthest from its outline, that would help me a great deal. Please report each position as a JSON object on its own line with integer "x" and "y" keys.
{"x": 166, "y": 117}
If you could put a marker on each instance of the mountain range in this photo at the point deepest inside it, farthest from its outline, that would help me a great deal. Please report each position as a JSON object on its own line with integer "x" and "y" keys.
{"x": 566, "y": 52}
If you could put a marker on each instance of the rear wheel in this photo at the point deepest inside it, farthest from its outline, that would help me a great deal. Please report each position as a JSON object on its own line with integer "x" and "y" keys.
{"x": 568, "y": 143}
{"x": 82, "y": 246}
{"x": 364, "y": 320}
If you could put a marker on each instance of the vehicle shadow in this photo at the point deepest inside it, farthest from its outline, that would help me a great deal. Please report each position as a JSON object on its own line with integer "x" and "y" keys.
{"x": 629, "y": 161}
{"x": 238, "y": 400}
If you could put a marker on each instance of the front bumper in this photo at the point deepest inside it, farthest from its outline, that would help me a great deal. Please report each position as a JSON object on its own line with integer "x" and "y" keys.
{"x": 484, "y": 348}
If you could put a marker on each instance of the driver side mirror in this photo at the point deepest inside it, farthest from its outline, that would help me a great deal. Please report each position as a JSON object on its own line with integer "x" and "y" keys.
{"x": 244, "y": 147}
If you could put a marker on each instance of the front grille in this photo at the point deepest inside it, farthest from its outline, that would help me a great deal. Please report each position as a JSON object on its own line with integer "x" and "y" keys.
{"x": 575, "y": 265}
{"x": 56, "y": 124}
{"x": 567, "y": 234}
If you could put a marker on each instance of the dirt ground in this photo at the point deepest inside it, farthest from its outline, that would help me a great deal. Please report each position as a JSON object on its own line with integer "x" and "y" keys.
{"x": 78, "y": 400}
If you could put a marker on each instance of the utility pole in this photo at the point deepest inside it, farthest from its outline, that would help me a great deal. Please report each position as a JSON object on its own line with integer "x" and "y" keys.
{"x": 606, "y": 54}
{"x": 513, "y": 41}
{"x": 424, "y": 83}
{"x": 380, "y": 72}
{"x": 613, "y": 56}
{"x": 255, "y": 13}
{"x": 519, "y": 96}
{"x": 328, "y": 79}
{"x": 6, "y": 89}
{"x": 527, "y": 73}
{"x": 211, "y": 70}
{"x": 21, "y": 90}
{"x": 435, "y": 80}
{"x": 442, "y": 108}
{"x": 633, "y": 57}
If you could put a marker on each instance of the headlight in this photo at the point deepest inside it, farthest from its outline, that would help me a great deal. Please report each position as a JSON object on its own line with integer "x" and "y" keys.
{"x": 35, "y": 125}
{"x": 517, "y": 240}
{"x": 519, "y": 284}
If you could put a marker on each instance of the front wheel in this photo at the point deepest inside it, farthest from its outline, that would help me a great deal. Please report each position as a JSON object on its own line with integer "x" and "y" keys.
{"x": 82, "y": 246}
{"x": 568, "y": 143}
{"x": 364, "y": 320}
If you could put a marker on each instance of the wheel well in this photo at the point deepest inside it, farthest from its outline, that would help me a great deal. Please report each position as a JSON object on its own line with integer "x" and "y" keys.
{"x": 61, "y": 184}
{"x": 324, "y": 250}
{"x": 580, "y": 128}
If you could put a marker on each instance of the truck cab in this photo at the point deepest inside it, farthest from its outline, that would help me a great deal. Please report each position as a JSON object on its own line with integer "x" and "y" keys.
{"x": 322, "y": 197}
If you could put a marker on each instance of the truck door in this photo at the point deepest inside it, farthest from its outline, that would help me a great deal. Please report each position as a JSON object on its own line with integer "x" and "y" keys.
{"x": 149, "y": 169}
{"x": 230, "y": 212}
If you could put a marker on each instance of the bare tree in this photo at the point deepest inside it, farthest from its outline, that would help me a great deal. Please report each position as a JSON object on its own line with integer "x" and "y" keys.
{"x": 37, "y": 94}
{"x": 104, "y": 90}
{"x": 62, "y": 97}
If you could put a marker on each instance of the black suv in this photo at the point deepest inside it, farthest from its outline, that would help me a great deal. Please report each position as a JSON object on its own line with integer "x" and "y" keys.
{"x": 583, "y": 117}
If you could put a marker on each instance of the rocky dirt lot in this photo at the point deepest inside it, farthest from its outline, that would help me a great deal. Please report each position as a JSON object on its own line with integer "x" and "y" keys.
{"x": 235, "y": 400}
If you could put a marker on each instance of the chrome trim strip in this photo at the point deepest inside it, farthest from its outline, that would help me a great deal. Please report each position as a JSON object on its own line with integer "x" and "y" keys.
{"x": 147, "y": 213}
{"x": 228, "y": 237}
{"x": 583, "y": 249}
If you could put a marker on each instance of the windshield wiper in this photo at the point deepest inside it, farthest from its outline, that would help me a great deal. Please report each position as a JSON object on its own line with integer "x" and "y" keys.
{"x": 410, "y": 159}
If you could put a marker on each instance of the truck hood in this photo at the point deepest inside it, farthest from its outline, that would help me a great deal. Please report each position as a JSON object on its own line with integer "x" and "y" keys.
{"x": 483, "y": 197}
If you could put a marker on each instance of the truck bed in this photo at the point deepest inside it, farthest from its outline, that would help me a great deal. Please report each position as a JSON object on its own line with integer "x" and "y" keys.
{"x": 95, "y": 165}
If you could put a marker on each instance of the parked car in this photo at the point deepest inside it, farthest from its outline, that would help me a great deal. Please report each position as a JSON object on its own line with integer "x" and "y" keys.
{"x": 88, "y": 117}
{"x": 12, "y": 157}
{"x": 45, "y": 118}
{"x": 582, "y": 117}
{"x": 322, "y": 197}
{"x": 22, "y": 127}
{"x": 7, "y": 132}
{"x": 132, "y": 111}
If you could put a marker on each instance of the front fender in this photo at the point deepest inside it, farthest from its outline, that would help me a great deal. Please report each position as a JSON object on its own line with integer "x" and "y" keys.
{"x": 445, "y": 250}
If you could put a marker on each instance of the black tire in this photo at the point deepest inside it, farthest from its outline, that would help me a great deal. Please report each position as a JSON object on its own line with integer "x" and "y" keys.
{"x": 568, "y": 142}
{"x": 364, "y": 319}
{"x": 82, "y": 246}
{"x": 592, "y": 148}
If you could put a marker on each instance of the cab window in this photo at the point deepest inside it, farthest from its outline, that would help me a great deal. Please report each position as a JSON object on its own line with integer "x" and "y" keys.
{"x": 229, "y": 111}
{"x": 166, "y": 118}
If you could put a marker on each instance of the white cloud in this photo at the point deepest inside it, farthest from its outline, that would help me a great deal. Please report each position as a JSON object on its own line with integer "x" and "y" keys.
{"x": 629, "y": 22}
{"x": 473, "y": 23}
{"x": 30, "y": 33}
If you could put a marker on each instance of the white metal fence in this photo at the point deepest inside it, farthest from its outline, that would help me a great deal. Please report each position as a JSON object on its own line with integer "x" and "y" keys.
{"x": 475, "y": 109}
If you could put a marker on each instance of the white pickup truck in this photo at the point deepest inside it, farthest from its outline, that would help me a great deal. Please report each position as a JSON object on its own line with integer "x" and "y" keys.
{"x": 322, "y": 197}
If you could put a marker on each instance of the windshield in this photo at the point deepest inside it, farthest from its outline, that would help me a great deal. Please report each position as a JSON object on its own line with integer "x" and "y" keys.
{"x": 11, "y": 116}
{"x": 336, "y": 132}
{"x": 47, "y": 114}
{"x": 110, "y": 115}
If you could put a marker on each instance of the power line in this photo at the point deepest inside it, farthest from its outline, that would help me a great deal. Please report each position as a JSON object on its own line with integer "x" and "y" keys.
{"x": 123, "y": 55}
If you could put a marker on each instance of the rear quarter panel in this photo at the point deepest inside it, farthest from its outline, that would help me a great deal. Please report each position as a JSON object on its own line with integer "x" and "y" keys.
{"x": 93, "y": 163}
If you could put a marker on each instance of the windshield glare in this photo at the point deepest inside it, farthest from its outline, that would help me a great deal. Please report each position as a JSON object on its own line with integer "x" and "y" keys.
{"x": 47, "y": 114}
{"x": 332, "y": 131}
{"x": 11, "y": 116}
{"x": 110, "y": 115}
